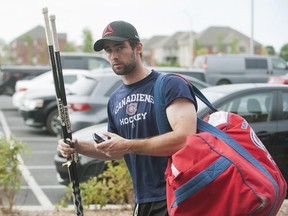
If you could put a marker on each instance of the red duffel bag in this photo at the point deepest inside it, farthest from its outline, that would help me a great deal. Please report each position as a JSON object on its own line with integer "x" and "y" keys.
{"x": 223, "y": 170}
{"x": 220, "y": 175}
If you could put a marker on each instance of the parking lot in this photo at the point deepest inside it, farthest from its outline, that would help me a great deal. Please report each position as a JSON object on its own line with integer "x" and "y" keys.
{"x": 40, "y": 188}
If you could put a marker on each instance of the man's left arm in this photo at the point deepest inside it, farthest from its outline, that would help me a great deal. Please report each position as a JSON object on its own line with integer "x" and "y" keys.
{"x": 182, "y": 117}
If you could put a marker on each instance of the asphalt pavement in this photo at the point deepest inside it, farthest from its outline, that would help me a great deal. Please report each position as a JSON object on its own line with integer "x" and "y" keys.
{"x": 40, "y": 188}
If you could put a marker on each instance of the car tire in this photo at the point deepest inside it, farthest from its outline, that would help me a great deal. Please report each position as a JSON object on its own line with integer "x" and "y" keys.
{"x": 223, "y": 82}
{"x": 52, "y": 122}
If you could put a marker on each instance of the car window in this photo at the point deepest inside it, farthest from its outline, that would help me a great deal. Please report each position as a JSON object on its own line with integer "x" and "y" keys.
{"x": 252, "y": 63}
{"x": 83, "y": 86}
{"x": 73, "y": 62}
{"x": 69, "y": 78}
{"x": 211, "y": 96}
{"x": 255, "y": 107}
{"x": 97, "y": 63}
{"x": 278, "y": 64}
{"x": 285, "y": 105}
{"x": 43, "y": 76}
{"x": 113, "y": 88}
{"x": 199, "y": 62}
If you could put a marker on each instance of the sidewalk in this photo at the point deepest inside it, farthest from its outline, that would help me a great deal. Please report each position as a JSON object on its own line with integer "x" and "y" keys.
{"x": 284, "y": 209}
{"x": 106, "y": 212}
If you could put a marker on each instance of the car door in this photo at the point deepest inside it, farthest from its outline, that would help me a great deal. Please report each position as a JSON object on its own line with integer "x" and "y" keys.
{"x": 278, "y": 67}
{"x": 267, "y": 113}
{"x": 256, "y": 70}
{"x": 280, "y": 141}
{"x": 256, "y": 107}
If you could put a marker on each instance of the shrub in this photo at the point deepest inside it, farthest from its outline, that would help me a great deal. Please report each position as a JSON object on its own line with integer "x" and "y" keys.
{"x": 10, "y": 175}
{"x": 113, "y": 186}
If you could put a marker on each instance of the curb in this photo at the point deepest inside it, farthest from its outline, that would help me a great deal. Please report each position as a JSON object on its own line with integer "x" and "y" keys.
{"x": 72, "y": 207}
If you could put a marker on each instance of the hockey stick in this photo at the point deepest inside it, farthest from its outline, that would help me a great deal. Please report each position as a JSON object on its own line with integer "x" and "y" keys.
{"x": 55, "y": 60}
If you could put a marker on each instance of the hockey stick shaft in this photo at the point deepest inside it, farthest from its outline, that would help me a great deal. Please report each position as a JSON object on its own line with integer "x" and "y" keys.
{"x": 63, "y": 111}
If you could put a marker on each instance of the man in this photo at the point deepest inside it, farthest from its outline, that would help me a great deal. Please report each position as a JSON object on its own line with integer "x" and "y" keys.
{"x": 133, "y": 133}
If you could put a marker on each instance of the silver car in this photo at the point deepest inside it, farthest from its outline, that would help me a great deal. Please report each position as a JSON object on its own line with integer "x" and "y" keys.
{"x": 88, "y": 97}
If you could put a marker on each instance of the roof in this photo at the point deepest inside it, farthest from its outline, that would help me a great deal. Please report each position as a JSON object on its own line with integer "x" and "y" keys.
{"x": 38, "y": 33}
{"x": 211, "y": 35}
{"x": 242, "y": 87}
{"x": 154, "y": 41}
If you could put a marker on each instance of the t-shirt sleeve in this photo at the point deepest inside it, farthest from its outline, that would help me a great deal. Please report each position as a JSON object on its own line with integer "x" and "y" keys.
{"x": 177, "y": 87}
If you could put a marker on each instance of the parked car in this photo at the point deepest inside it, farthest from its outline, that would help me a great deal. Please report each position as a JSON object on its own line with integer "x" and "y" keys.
{"x": 279, "y": 79}
{"x": 87, "y": 99}
{"x": 193, "y": 72}
{"x": 227, "y": 69}
{"x": 39, "y": 108}
{"x": 264, "y": 106}
{"x": 88, "y": 106}
{"x": 9, "y": 74}
{"x": 43, "y": 82}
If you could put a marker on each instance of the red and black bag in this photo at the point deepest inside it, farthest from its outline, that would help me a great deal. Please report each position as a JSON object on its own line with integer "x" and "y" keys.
{"x": 224, "y": 169}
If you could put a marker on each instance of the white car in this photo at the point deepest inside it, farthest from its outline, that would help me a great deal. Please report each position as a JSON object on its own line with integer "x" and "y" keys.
{"x": 43, "y": 82}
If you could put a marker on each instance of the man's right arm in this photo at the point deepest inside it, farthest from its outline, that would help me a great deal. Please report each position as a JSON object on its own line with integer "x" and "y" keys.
{"x": 83, "y": 147}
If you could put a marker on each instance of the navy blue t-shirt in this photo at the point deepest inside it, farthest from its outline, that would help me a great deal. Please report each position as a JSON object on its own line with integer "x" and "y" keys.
{"x": 131, "y": 115}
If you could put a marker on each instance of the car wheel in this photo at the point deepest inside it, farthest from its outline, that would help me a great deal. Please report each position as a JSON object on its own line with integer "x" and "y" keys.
{"x": 223, "y": 82}
{"x": 9, "y": 90}
{"x": 52, "y": 122}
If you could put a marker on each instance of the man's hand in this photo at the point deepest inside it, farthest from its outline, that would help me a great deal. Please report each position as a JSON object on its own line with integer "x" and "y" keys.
{"x": 65, "y": 149}
{"x": 114, "y": 147}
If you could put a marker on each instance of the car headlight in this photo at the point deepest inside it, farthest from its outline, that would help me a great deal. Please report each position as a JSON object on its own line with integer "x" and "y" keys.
{"x": 33, "y": 104}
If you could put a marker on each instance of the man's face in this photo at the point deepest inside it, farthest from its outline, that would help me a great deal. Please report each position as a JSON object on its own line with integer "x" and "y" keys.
{"x": 121, "y": 56}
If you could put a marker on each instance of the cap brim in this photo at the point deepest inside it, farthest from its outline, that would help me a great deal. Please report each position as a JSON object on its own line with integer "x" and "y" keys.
{"x": 99, "y": 44}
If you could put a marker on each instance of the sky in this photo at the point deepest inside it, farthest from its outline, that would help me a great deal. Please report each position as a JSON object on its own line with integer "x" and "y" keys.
{"x": 150, "y": 17}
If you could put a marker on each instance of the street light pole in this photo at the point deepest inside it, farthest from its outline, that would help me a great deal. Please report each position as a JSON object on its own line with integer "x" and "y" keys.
{"x": 252, "y": 28}
{"x": 190, "y": 40}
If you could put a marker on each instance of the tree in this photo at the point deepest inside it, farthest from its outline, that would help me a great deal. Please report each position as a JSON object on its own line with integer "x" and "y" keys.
{"x": 270, "y": 50}
{"x": 3, "y": 46}
{"x": 87, "y": 41}
{"x": 234, "y": 45}
{"x": 29, "y": 44}
{"x": 220, "y": 44}
{"x": 70, "y": 47}
{"x": 284, "y": 52}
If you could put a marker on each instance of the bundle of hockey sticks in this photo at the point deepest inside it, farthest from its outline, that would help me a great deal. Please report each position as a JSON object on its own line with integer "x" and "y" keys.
{"x": 55, "y": 60}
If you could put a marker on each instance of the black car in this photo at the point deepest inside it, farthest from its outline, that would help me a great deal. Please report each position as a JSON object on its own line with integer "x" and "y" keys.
{"x": 37, "y": 102}
{"x": 264, "y": 106}
{"x": 10, "y": 74}
{"x": 39, "y": 110}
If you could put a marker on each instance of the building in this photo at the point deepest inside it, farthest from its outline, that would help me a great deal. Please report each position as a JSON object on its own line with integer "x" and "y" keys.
{"x": 178, "y": 49}
{"x": 30, "y": 48}
{"x": 182, "y": 47}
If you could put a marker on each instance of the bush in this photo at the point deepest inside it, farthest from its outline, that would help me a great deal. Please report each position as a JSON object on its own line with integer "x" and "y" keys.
{"x": 113, "y": 186}
{"x": 10, "y": 175}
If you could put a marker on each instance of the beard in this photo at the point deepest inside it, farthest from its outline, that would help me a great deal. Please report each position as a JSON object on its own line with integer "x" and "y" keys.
{"x": 127, "y": 67}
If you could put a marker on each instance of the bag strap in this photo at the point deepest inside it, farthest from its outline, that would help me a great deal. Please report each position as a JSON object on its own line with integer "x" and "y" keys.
{"x": 162, "y": 120}
{"x": 159, "y": 105}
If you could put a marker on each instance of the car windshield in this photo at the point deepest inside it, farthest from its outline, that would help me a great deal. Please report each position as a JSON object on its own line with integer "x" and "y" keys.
{"x": 83, "y": 86}
{"x": 44, "y": 76}
{"x": 211, "y": 96}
